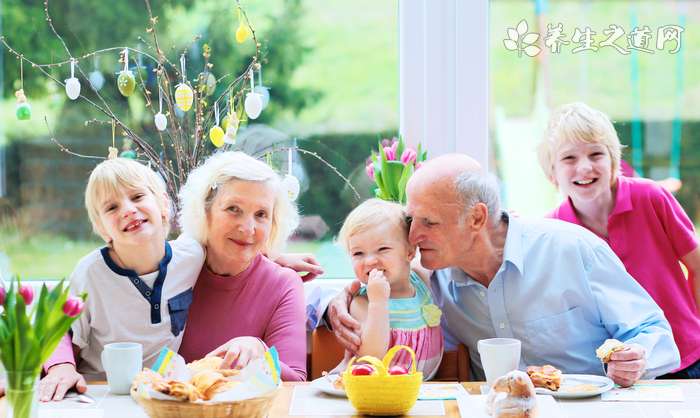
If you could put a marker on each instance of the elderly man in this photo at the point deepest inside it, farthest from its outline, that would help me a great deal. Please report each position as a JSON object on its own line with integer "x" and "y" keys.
{"x": 556, "y": 287}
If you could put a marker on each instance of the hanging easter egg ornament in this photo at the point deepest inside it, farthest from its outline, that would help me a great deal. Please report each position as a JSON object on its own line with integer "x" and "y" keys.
{"x": 23, "y": 110}
{"x": 183, "y": 93}
{"x": 97, "y": 80}
{"x": 72, "y": 84}
{"x": 126, "y": 83}
{"x": 243, "y": 31}
{"x": 184, "y": 97}
{"x": 290, "y": 182}
{"x": 253, "y": 102}
{"x": 231, "y": 125}
{"x": 159, "y": 119}
{"x": 216, "y": 134}
{"x": 263, "y": 91}
{"x": 264, "y": 94}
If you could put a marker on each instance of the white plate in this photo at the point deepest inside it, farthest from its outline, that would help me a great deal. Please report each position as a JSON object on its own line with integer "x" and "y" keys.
{"x": 571, "y": 386}
{"x": 325, "y": 385}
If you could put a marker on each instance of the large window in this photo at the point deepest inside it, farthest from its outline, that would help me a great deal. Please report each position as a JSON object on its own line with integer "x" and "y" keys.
{"x": 633, "y": 60}
{"x": 332, "y": 69}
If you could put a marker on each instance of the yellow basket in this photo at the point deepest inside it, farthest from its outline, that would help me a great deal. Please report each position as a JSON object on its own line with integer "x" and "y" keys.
{"x": 248, "y": 408}
{"x": 383, "y": 393}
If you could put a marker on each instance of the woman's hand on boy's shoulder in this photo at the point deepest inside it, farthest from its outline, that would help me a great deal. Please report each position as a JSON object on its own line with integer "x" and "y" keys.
{"x": 59, "y": 380}
{"x": 301, "y": 263}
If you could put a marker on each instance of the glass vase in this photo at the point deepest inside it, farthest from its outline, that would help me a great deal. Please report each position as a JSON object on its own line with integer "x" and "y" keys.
{"x": 22, "y": 394}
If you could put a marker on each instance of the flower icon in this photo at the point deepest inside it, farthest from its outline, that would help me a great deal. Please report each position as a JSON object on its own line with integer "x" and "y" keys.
{"x": 431, "y": 314}
{"x": 522, "y": 41}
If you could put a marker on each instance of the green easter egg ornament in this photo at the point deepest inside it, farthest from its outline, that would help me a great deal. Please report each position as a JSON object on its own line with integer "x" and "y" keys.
{"x": 24, "y": 111}
{"x": 126, "y": 83}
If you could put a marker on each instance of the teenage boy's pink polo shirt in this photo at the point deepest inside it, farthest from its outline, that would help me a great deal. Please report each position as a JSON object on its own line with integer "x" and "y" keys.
{"x": 650, "y": 233}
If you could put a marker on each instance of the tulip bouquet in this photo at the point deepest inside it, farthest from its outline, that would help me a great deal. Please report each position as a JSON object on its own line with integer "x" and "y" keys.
{"x": 28, "y": 336}
{"x": 391, "y": 167}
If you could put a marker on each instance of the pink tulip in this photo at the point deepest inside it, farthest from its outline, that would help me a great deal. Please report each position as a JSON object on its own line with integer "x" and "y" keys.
{"x": 386, "y": 142}
{"x": 27, "y": 294}
{"x": 369, "y": 169}
{"x": 390, "y": 154}
{"x": 409, "y": 156}
{"x": 3, "y": 293}
{"x": 418, "y": 165}
{"x": 73, "y": 307}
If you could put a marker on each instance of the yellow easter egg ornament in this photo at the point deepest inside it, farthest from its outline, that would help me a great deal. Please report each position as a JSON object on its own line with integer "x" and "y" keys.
{"x": 242, "y": 33}
{"x": 216, "y": 135}
{"x": 184, "y": 97}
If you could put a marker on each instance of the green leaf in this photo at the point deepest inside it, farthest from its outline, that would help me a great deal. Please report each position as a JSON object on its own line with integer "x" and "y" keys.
{"x": 391, "y": 178}
{"x": 29, "y": 336}
{"x": 400, "y": 148}
{"x": 405, "y": 175}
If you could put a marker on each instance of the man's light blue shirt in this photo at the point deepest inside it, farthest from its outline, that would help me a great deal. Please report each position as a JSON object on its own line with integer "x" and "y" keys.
{"x": 562, "y": 292}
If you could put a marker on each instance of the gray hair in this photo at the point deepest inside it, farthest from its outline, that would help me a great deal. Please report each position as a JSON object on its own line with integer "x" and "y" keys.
{"x": 476, "y": 187}
{"x": 201, "y": 188}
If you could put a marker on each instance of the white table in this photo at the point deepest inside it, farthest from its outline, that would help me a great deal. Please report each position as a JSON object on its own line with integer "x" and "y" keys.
{"x": 111, "y": 406}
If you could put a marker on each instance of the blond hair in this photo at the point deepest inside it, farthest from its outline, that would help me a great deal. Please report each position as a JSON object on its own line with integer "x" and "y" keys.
{"x": 576, "y": 123}
{"x": 200, "y": 190}
{"x": 112, "y": 177}
{"x": 370, "y": 214}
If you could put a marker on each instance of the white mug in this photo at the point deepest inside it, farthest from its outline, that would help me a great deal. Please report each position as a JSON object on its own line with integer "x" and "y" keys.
{"x": 498, "y": 357}
{"x": 121, "y": 362}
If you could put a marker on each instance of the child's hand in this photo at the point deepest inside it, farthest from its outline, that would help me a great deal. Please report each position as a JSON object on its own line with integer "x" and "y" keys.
{"x": 59, "y": 379}
{"x": 378, "y": 289}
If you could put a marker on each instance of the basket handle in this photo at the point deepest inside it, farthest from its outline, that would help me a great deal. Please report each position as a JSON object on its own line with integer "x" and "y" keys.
{"x": 389, "y": 356}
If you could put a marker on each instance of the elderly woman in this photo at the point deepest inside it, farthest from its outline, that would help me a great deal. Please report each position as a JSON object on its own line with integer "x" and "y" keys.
{"x": 238, "y": 209}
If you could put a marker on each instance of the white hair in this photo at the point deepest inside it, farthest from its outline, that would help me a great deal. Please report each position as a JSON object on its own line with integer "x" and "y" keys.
{"x": 476, "y": 187}
{"x": 198, "y": 193}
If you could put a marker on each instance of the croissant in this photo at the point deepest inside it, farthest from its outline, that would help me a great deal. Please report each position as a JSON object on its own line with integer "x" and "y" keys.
{"x": 183, "y": 391}
{"x": 208, "y": 383}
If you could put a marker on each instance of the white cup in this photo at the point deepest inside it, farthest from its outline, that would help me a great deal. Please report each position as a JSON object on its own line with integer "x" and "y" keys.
{"x": 498, "y": 357}
{"x": 121, "y": 362}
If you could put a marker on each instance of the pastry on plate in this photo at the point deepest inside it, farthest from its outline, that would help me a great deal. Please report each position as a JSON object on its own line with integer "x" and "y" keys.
{"x": 547, "y": 376}
{"x": 608, "y": 348}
